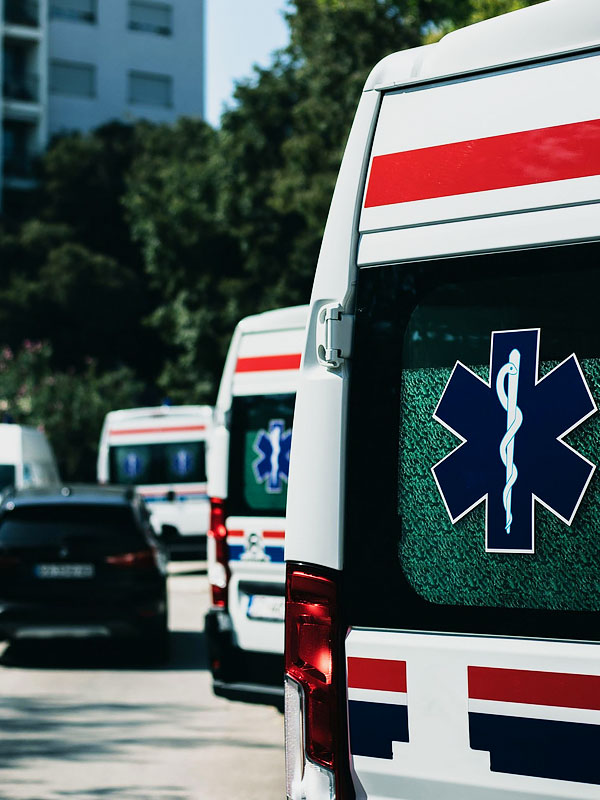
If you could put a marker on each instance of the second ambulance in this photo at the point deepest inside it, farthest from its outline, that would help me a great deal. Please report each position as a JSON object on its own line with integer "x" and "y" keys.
{"x": 443, "y": 541}
{"x": 248, "y": 473}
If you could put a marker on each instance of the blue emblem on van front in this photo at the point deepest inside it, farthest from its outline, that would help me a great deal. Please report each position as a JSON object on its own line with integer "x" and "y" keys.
{"x": 272, "y": 467}
{"x": 132, "y": 465}
{"x": 183, "y": 462}
{"x": 512, "y": 451}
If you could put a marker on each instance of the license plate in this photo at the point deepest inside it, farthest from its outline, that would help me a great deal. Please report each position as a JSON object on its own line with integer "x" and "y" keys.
{"x": 266, "y": 607}
{"x": 76, "y": 571}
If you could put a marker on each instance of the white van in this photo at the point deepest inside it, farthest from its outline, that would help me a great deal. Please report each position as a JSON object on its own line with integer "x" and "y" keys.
{"x": 162, "y": 451}
{"x": 26, "y": 458}
{"x": 443, "y": 539}
{"x": 248, "y": 473}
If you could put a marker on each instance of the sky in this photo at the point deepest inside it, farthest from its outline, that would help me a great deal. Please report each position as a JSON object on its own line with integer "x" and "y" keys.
{"x": 239, "y": 33}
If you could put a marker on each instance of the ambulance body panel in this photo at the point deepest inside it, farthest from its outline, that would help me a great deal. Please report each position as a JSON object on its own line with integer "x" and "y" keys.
{"x": 27, "y": 458}
{"x": 448, "y": 552}
{"x": 248, "y": 473}
{"x": 162, "y": 451}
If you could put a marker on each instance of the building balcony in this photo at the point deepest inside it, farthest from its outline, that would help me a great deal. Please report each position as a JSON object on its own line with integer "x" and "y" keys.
{"x": 22, "y": 12}
{"x": 22, "y": 87}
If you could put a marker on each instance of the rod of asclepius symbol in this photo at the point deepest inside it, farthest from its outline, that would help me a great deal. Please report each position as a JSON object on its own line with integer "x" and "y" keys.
{"x": 507, "y": 389}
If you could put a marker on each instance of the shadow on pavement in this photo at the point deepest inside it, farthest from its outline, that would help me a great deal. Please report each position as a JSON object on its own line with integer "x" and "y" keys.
{"x": 187, "y": 652}
{"x": 54, "y": 728}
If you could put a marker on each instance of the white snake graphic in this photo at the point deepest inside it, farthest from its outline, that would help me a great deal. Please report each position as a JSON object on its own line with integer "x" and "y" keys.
{"x": 514, "y": 420}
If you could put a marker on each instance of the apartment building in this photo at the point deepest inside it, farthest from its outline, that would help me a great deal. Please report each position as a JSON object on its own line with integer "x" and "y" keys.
{"x": 24, "y": 80}
{"x": 74, "y": 64}
{"x": 124, "y": 59}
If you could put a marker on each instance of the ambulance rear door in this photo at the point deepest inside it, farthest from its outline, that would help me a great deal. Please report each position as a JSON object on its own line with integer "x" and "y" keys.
{"x": 472, "y": 552}
{"x": 260, "y": 432}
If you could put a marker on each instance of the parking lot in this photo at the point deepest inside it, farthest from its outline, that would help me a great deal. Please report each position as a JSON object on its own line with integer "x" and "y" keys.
{"x": 86, "y": 719}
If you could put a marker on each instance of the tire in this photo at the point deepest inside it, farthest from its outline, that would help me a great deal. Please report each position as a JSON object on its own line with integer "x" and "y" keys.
{"x": 156, "y": 645}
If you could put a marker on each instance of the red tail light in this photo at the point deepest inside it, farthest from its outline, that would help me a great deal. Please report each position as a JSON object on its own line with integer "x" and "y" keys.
{"x": 141, "y": 559}
{"x": 313, "y": 659}
{"x": 6, "y": 562}
{"x": 218, "y": 561}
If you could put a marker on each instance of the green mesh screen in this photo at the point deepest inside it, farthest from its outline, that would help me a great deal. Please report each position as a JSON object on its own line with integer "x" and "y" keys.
{"x": 257, "y": 473}
{"x": 446, "y": 563}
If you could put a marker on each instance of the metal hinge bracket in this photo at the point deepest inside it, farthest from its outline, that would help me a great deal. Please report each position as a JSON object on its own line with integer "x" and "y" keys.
{"x": 334, "y": 336}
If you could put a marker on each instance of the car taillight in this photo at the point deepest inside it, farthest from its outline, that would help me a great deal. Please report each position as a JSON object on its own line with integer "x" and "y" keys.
{"x": 316, "y": 742}
{"x": 141, "y": 559}
{"x": 218, "y": 561}
{"x": 6, "y": 562}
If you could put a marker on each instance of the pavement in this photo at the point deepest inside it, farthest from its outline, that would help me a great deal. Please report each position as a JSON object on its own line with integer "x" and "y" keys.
{"x": 85, "y": 720}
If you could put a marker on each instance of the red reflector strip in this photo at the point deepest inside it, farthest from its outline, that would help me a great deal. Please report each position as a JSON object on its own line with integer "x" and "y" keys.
{"x": 268, "y": 363}
{"x": 377, "y": 673}
{"x": 537, "y": 688}
{"x": 274, "y": 534}
{"x": 169, "y": 429}
{"x": 478, "y": 165}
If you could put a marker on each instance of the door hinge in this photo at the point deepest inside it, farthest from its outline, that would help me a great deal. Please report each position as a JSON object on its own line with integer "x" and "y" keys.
{"x": 334, "y": 336}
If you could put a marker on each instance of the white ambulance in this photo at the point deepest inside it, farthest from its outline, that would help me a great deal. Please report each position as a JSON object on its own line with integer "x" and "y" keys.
{"x": 248, "y": 473}
{"x": 443, "y": 539}
{"x": 162, "y": 451}
{"x": 26, "y": 458}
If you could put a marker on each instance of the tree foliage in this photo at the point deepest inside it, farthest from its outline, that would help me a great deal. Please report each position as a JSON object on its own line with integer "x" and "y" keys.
{"x": 145, "y": 244}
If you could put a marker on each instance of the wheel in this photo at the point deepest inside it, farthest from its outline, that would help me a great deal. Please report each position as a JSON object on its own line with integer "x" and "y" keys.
{"x": 156, "y": 645}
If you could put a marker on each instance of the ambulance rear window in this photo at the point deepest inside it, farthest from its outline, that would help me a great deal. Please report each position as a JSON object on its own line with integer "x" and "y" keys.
{"x": 153, "y": 464}
{"x": 261, "y": 435}
{"x": 473, "y": 499}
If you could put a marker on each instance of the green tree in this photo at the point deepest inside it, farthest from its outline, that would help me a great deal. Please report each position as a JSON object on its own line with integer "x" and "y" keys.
{"x": 190, "y": 257}
{"x": 69, "y": 406}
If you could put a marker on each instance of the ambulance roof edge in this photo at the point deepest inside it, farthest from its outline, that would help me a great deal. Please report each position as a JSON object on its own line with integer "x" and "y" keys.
{"x": 277, "y": 319}
{"x": 155, "y": 412}
{"x": 547, "y": 29}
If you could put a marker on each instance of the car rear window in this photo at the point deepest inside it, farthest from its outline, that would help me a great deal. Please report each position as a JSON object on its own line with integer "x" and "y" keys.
{"x": 261, "y": 435}
{"x": 27, "y": 526}
{"x": 410, "y": 564}
{"x": 167, "y": 462}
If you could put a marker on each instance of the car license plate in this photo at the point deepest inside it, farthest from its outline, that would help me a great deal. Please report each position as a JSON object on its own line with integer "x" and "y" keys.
{"x": 76, "y": 571}
{"x": 266, "y": 607}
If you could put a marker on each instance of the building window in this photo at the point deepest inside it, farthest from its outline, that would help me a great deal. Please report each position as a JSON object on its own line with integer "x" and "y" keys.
{"x": 22, "y": 12}
{"x": 76, "y": 10}
{"x": 17, "y": 153}
{"x": 147, "y": 89}
{"x": 150, "y": 17}
{"x": 71, "y": 78}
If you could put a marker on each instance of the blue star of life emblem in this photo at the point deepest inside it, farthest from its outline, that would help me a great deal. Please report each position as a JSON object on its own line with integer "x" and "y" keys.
{"x": 272, "y": 466}
{"x": 512, "y": 452}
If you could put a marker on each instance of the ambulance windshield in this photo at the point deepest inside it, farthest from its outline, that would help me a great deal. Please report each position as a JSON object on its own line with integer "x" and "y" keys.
{"x": 261, "y": 435}
{"x": 151, "y": 464}
{"x": 467, "y": 376}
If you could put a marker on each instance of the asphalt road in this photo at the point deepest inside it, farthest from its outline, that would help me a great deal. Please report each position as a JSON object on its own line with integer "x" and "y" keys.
{"x": 83, "y": 720}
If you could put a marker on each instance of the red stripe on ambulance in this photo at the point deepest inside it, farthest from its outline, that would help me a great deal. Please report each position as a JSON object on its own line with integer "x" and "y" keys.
{"x": 166, "y": 429}
{"x": 557, "y": 153}
{"x": 380, "y": 674}
{"x": 268, "y": 363}
{"x": 559, "y": 689}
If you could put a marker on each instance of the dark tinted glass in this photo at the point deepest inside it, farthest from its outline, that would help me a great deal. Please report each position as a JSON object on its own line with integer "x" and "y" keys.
{"x": 7, "y": 475}
{"x": 180, "y": 462}
{"x": 48, "y": 525}
{"x": 261, "y": 435}
{"x": 409, "y": 565}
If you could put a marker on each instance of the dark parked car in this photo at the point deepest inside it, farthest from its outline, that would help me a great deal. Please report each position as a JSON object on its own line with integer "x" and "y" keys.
{"x": 81, "y": 561}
